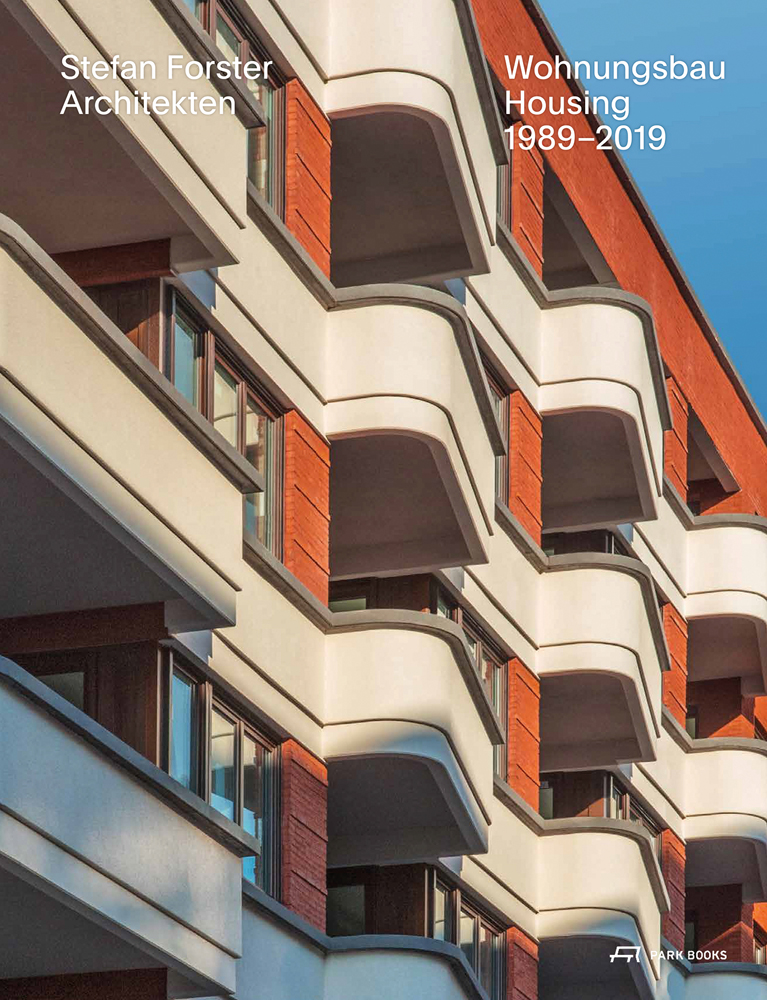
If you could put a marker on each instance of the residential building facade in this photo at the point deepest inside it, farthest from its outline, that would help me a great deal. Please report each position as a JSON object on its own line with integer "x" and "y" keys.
{"x": 384, "y": 596}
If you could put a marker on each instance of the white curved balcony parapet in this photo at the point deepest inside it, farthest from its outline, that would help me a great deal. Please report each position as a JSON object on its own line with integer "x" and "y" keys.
{"x": 716, "y": 980}
{"x": 726, "y": 603}
{"x": 140, "y": 859}
{"x": 403, "y": 362}
{"x": 597, "y": 878}
{"x": 406, "y": 719}
{"x": 603, "y": 399}
{"x": 577, "y": 949}
{"x": 378, "y": 66}
{"x": 305, "y": 962}
{"x": 725, "y": 826}
{"x": 600, "y": 663}
{"x": 106, "y": 446}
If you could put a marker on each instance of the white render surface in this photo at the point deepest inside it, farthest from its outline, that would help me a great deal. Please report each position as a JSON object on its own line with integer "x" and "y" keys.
{"x": 392, "y": 707}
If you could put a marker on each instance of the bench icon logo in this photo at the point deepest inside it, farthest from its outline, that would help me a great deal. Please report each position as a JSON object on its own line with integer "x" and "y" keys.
{"x": 625, "y": 951}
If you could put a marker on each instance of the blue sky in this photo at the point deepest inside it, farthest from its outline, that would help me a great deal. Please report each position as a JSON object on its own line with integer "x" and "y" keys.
{"x": 706, "y": 188}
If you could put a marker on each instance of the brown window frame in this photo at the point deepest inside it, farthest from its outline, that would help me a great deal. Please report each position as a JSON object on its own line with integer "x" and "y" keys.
{"x": 208, "y": 698}
{"x": 251, "y": 48}
{"x": 213, "y": 352}
{"x": 631, "y": 810}
{"x": 459, "y": 902}
{"x": 501, "y": 397}
{"x": 483, "y": 647}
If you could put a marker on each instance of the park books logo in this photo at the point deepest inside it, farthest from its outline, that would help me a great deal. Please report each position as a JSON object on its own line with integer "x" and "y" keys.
{"x": 631, "y": 952}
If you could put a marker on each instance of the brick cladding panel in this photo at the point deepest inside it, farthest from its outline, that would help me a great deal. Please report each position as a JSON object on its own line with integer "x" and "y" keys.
{"x": 673, "y": 858}
{"x": 522, "y": 966}
{"x": 304, "y": 833}
{"x": 307, "y": 505}
{"x": 507, "y": 27}
{"x": 525, "y": 450}
{"x": 675, "y": 680}
{"x": 724, "y": 922}
{"x": 675, "y": 440}
{"x": 524, "y": 732}
{"x": 307, "y": 174}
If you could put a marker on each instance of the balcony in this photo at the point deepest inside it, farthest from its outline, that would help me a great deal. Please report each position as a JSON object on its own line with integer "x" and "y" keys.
{"x": 600, "y": 886}
{"x": 118, "y": 166}
{"x": 724, "y": 979}
{"x": 726, "y": 603}
{"x": 140, "y": 875}
{"x": 414, "y": 436}
{"x": 725, "y": 826}
{"x": 409, "y": 736}
{"x": 304, "y": 963}
{"x": 416, "y": 140}
{"x": 108, "y": 459}
{"x": 601, "y": 664}
{"x": 604, "y": 409}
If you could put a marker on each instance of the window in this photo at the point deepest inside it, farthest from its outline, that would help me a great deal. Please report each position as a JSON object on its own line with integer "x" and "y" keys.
{"x": 211, "y": 750}
{"x": 266, "y": 145}
{"x": 183, "y": 729}
{"x": 691, "y": 722}
{"x": 760, "y": 946}
{"x": 546, "y": 799}
{"x": 240, "y": 410}
{"x": 455, "y": 918}
{"x": 501, "y": 404}
{"x": 346, "y": 910}
{"x": 690, "y": 932}
{"x": 620, "y": 804}
{"x": 490, "y": 663}
{"x": 352, "y": 595}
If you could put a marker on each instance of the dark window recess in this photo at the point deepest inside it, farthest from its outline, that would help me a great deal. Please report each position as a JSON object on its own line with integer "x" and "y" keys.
{"x": 455, "y": 917}
{"x": 760, "y": 733}
{"x": 490, "y": 663}
{"x": 691, "y": 722}
{"x": 690, "y": 932}
{"x": 594, "y": 793}
{"x": 266, "y": 145}
{"x": 760, "y": 945}
{"x": 505, "y": 170}
{"x": 499, "y": 394}
{"x": 209, "y": 748}
{"x": 417, "y": 900}
{"x": 560, "y": 543}
{"x": 241, "y": 411}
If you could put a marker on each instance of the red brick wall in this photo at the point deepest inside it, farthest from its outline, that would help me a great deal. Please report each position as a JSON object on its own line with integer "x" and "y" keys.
{"x": 527, "y": 203}
{"x": 508, "y": 27}
{"x": 673, "y": 865}
{"x": 304, "y": 833}
{"x": 760, "y": 918}
{"x": 306, "y": 542}
{"x": 675, "y": 440}
{"x": 675, "y": 680}
{"x": 722, "y": 709}
{"x": 524, "y": 740}
{"x": 713, "y": 499}
{"x": 760, "y": 711}
{"x": 723, "y": 921}
{"x": 525, "y": 475}
{"x": 307, "y": 174}
{"x": 522, "y": 967}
